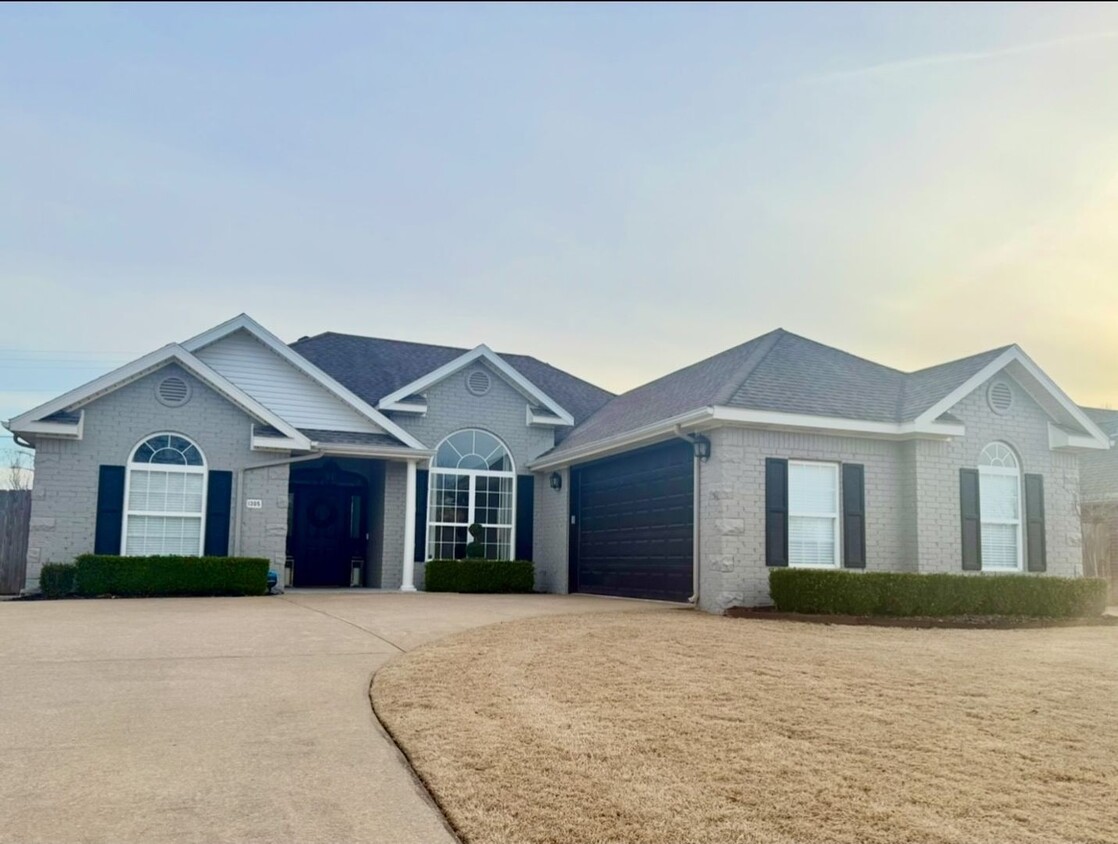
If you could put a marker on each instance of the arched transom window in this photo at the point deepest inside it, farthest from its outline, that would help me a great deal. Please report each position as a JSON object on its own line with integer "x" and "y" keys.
{"x": 999, "y": 491}
{"x": 165, "y": 497}
{"x": 472, "y": 480}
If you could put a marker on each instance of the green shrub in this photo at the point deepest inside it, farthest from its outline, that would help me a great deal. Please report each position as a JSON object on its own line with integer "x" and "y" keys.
{"x": 102, "y": 574}
{"x": 902, "y": 594}
{"x": 480, "y": 576}
{"x": 56, "y": 580}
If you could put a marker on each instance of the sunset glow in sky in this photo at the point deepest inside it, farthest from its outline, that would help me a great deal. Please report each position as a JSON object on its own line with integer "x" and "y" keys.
{"x": 618, "y": 190}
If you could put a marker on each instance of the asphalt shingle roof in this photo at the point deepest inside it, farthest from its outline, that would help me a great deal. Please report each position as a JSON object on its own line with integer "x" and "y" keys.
{"x": 373, "y": 368}
{"x": 786, "y": 373}
{"x": 1105, "y": 418}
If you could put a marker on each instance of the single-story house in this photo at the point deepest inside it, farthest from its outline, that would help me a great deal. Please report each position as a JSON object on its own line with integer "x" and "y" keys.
{"x": 351, "y": 461}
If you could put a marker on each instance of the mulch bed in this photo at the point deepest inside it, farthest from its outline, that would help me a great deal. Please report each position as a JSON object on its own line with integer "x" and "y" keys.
{"x": 962, "y": 622}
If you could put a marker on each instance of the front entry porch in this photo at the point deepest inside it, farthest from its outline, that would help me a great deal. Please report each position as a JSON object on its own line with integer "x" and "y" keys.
{"x": 351, "y": 524}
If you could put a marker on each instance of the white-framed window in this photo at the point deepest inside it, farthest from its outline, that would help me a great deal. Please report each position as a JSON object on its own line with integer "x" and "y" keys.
{"x": 999, "y": 502}
{"x": 472, "y": 480}
{"x": 813, "y": 514}
{"x": 165, "y": 498}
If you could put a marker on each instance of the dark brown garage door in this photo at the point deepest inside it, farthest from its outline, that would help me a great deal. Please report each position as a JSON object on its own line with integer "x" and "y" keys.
{"x": 631, "y": 524}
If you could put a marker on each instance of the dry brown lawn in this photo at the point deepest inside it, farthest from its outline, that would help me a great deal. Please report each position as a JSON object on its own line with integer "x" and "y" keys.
{"x": 673, "y": 726}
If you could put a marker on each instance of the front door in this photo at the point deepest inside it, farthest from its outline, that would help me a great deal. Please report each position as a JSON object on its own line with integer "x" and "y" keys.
{"x": 327, "y": 537}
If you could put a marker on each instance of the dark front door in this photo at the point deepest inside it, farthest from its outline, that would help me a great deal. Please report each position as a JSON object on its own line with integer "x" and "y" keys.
{"x": 328, "y": 532}
{"x": 631, "y": 524}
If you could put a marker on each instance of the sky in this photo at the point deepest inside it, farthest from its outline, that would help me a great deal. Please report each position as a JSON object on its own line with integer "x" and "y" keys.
{"x": 619, "y": 190}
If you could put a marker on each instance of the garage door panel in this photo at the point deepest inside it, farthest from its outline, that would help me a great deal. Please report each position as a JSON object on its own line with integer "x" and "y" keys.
{"x": 633, "y": 517}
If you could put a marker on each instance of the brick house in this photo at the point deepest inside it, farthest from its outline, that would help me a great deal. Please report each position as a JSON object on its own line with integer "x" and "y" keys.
{"x": 351, "y": 461}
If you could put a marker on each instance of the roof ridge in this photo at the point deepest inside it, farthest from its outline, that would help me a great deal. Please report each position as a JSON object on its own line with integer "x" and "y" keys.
{"x": 383, "y": 340}
{"x": 766, "y": 343}
{"x": 843, "y": 352}
{"x": 995, "y": 350}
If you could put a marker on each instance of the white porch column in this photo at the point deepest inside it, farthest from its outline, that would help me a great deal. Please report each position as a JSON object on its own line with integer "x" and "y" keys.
{"x": 407, "y": 584}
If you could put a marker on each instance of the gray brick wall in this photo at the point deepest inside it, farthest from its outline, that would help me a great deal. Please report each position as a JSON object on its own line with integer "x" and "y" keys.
{"x": 1025, "y": 429}
{"x": 501, "y": 411}
{"x": 551, "y": 518}
{"x": 64, "y": 499}
{"x": 451, "y": 407}
{"x": 732, "y": 501}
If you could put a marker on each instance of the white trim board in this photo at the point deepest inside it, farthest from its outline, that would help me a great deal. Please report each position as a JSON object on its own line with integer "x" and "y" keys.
{"x": 1014, "y": 354}
{"x": 124, "y": 375}
{"x": 247, "y": 323}
{"x": 710, "y": 417}
{"x": 396, "y": 401}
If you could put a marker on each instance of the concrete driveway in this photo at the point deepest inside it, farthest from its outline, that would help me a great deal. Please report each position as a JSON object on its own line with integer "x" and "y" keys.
{"x": 220, "y": 719}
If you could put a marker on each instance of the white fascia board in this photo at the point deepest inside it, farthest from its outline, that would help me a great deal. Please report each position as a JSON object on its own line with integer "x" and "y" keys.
{"x": 837, "y": 425}
{"x": 403, "y": 407}
{"x": 1015, "y": 353}
{"x": 482, "y": 352}
{"x": 247, "y": 323}
{"x": 106, "y": 383}
{"x": 67, "y": 430}
{"x": 544, "y": 420}
{"x": 149, "y": 363}
{"x": 1060, "y": 439}
{"x": 621, "y": 442}
{"x": 381, "y": 452}
{"x": 260, "y": 443}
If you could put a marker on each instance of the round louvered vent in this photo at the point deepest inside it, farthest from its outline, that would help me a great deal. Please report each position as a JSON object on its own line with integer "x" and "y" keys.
{"x": 1000, "y": 397}
{"x": 478, "y": 383}
{"x": 173, "y": 391}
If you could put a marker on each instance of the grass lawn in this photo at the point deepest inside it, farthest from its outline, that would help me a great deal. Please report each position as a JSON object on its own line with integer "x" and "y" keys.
{"x": 672, "y": 727}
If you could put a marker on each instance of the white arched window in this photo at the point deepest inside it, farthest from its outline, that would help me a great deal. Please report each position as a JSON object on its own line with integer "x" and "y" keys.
{"x": 165, "y": 497}
{"x": 999, "y": 495}
{"x": 472, "y": 480}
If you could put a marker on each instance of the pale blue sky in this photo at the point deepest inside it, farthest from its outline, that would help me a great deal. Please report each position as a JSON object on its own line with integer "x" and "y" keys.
{"x": 619, "y": 190}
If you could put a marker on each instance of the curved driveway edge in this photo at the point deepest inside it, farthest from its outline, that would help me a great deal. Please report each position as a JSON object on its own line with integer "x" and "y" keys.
{"x": 221, "y": 719}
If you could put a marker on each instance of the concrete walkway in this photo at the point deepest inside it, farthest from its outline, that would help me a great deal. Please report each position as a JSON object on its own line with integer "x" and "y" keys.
{"x": 220, "y": 719}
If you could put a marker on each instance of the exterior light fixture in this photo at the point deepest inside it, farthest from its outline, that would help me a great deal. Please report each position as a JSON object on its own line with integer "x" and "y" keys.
{"x": 701, "y": 445}
{"x": 556, "y": 481}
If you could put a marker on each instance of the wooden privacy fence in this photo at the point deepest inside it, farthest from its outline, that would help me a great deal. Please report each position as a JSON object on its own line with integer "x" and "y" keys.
{"x": 15, "y": 523}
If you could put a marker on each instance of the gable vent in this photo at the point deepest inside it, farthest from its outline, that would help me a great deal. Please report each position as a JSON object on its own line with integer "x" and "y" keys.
{"x": 1000, "y": 397}
{"x": 478, "y": 382}
{"x": 173, "y": 391}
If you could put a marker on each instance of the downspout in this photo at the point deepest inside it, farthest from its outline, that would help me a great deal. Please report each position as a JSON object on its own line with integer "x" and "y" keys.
{"x": 287, "y": 461}
{"x": 695, "y": 544}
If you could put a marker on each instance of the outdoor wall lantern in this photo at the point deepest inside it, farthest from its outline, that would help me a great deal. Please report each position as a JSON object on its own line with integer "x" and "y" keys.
{"x": 556, "y": 481}
{"x": 702, "y": 446}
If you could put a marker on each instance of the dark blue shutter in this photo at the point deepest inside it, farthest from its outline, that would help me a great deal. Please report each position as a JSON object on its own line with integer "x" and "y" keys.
{"x": 219, "y": 503}
{"x": 776, "y": 512}
{"x": 525, "y": 501}
{"x": 420, "y": 515}
{"x": 970, "y": 512}
{"x": 110, "y": 510}
{"x": 1035, "y": 545}
{"x": 853, "y": 516}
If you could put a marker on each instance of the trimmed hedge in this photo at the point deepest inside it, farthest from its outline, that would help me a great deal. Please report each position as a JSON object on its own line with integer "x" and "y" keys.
{"x": 902, "y": 594}
{"x": 147, "y": 577}
{"x": 56, "y": 580}
{"x": 480, "y": 576}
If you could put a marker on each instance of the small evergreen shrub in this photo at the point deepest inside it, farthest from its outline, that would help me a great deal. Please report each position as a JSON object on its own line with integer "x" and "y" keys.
{"x": 103, "y": 574}
{"x": 904, "y": 594}
{"x": 474, "y": 575}
{"x": 56, "y": 580}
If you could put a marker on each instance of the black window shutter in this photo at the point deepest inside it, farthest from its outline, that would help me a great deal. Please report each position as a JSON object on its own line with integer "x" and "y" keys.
{"x": 219, "y": 503}
{"x": 776, "y": 512}
{"x": 525, "y": 501}
{"x": 1036, "y": 553}
{"x": 420, "y": 515}
{"x": 853, "y": 516}
{"x": 110, "y": 510}
{"x": 971, "y": 517}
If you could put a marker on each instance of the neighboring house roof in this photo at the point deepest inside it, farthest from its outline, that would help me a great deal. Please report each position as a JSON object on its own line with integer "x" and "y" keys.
{"x": 374, "y": 368}
{"x": 783, "y": 380}
{"x": 1105, "y": 418}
